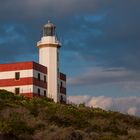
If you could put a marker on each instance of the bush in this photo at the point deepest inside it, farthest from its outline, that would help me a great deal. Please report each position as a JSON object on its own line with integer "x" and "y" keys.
{"x": 6, "y": 95}
{"x": 82, "y": 105}
{"x": 41, "y": 118}
{"x": 15, "y": 127}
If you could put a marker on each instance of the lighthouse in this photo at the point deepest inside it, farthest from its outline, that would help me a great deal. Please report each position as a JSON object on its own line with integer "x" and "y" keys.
{"x": 49, "y": 47}
{"x": 41, "y": 79}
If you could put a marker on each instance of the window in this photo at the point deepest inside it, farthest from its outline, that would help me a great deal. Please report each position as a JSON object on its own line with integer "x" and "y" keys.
{"x": 38, "y": 77}
{"x": 38, "y": 92}
{"x": 17, "y": 75}
{"x": 61, "y": 99}
{"x": 61, "y": 85}
{"x": 44, "y": 78}
{"x": 17, "y": 90}
{"x": 44, "y": 93}
{"x": 49, "y": 31}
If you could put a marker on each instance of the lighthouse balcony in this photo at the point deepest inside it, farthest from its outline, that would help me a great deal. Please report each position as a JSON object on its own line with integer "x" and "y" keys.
{"x": 48, "y": 40}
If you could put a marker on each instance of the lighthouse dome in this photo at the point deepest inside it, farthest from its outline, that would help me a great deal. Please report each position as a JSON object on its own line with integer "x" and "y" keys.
{"x": 49, "y": 29}
{"x": 49, "y": 24}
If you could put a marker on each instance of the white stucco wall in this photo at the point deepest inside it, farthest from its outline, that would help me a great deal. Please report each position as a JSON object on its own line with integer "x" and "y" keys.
{"x": 48, "y": 57}
{"x": 23, "y": 89}
{"x": 11, "y": 74}
{"x": 35, "y": 89}
{"x": 23, "y": 74}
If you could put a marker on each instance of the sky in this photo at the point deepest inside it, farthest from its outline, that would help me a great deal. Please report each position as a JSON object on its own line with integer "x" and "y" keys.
{"x": 100, "y": 46}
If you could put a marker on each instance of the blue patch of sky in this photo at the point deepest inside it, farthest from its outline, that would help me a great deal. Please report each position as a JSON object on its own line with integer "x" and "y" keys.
{"x": 110, "y": 90}
{"x": 95, "y": 18}
{"x": 9, "y": 28}
{"x": 10, "y": 34}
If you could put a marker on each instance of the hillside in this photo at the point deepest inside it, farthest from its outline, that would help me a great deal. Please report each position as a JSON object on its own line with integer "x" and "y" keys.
{"x": 42, "y": 119}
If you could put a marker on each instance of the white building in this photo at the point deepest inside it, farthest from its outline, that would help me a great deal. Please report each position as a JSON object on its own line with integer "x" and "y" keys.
{"x": 32, "y": 79}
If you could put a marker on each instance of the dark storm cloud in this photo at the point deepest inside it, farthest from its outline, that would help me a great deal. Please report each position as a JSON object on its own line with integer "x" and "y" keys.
{"x": 106, "y": 32}
{"x": 114, "y": 40}
{"x": 14, "y": 43}
{"x": 30, "y": 9}
{"x": 32, "y": 14}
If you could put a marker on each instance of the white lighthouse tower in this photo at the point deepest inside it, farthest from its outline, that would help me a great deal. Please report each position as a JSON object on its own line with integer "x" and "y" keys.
{"x": 49, "y": 56}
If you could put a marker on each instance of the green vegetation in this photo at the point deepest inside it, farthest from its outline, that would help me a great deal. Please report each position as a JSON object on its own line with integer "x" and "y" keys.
{"x": 42, "y": 119}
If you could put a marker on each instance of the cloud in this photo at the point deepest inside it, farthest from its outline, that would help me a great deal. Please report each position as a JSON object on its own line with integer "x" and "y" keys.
{"x": 14, "y": 43}
{"x": 35, "y": 8}
{"x": 106, "y": 30}
{"x": 96, "y": 81}
{"x": 129, "y": 105}
{"x": 98, "y": 76}
{"x": 132, "y": 110}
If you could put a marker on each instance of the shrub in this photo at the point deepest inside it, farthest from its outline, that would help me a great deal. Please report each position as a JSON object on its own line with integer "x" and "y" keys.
{"x": 82, "y": 105}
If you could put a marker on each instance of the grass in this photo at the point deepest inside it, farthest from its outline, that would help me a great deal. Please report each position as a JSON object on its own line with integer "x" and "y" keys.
{"x": 42, "y": 119}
